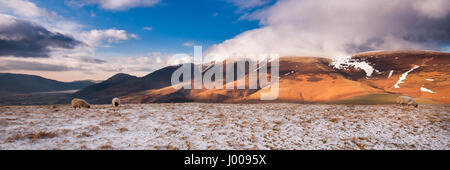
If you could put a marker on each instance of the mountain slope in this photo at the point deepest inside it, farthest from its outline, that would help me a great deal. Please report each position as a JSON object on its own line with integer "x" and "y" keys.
{"x": 313, "y": 79}
{"x": 412, "y": 73}
{"x": 99, "y": 92}
{"x": 124, "y": 84}
{"x": 22, "y": 83}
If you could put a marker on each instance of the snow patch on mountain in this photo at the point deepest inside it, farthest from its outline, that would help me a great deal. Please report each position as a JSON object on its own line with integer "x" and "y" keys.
{"x": 403, "y": 77}
{"x": 426, "y": 90}
{"x": 390, "y": 73}
{"x": 348, "y": 61}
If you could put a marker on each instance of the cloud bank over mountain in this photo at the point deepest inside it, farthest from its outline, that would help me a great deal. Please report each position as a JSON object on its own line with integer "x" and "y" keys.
{"x": 336, "y": 28}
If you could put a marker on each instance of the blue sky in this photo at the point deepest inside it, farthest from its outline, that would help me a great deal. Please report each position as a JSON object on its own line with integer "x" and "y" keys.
{"x": 107, "y": 37}
{"x": 172, "y": 23}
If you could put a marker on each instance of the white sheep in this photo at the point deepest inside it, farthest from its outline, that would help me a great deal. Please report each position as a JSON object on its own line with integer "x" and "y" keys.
{"x": 406, "y": 100}
{"x": 116, "y": 102}
{"x": 79, "y": 103}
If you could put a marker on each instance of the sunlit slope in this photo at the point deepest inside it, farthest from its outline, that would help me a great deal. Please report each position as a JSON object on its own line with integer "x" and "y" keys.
{"x": 423, "y": 75}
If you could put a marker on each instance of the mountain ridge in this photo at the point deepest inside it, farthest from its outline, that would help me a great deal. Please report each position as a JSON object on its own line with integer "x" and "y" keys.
{"x": 317, "y": 80}
{"x": 122, "y": 84}
{"x": 420, "y": 74}
{"x": 24, "y": 83}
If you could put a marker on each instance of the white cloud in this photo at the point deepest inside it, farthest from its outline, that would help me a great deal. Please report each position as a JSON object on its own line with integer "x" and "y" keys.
{"x": 140, "y": 65}
{"x": 96, "y": 38}
{"x": 248, "y": 4}
{"x": 83, "y": 65}
{"x": 81, "y": 62}
{"x": 340, "y": 28}
{"x": 24, "y": 8}
{"x": 432, "y": 8}
{"x": 148, "y": 28}
{"x": 93, "y": 14}
{"x": 188, "y": 44}
{"x": 116, "y": 4}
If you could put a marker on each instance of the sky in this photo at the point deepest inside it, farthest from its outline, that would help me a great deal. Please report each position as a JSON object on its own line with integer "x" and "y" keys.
{"x": 71, "y": 40}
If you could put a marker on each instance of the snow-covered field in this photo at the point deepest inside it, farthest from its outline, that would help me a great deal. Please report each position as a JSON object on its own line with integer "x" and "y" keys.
{"x": 225, "y": 126}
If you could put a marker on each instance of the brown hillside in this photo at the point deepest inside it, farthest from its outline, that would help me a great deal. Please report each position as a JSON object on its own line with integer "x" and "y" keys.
{"x": 313, "y": 79}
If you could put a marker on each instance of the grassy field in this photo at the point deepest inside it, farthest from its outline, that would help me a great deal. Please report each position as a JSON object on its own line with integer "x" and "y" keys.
{"x": 226, "y": 126}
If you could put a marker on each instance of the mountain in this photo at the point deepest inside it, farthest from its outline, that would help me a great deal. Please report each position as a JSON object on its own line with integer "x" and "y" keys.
{"x": 107, "y": 89}
{"x": 22, "y": 83}
{"x": 364, "y": 78}
{"x": 372, "y": 77}
{"x": 22, "y": 89}
{"x": 124, "y": 84}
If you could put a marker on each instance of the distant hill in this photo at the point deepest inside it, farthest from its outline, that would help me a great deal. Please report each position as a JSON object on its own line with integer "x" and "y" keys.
{"x": 22, "y": 84}
{"x": 22, "y": 89}
{"x": 124, "y": 84}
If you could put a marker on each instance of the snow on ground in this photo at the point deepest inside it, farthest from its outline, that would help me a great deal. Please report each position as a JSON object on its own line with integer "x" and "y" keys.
{"x": 426, "y": 90}
{"x": 403, "y": 77}
{"x": 225, "y": 126}
{"x": 390, "y": 73}
{"x": 348, "y": 61}
{"x": 288, "y": 73}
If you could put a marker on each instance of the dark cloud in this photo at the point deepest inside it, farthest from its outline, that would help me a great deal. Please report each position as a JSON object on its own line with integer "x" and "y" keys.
{"x": 22, "y": 38}
{"x": 26, "y": 65}
{"x": 429, "y": 30}
{"x": 92, "y": 60}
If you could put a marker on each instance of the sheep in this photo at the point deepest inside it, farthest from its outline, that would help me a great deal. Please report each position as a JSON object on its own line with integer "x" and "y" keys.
{"x": 406, "y": 100}
{"x": 80, "y": 103}
{"x": 116, "y": 102}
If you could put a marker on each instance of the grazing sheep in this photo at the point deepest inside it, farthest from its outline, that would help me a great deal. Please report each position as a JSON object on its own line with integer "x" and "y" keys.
{"x": 80, "y": 103}
{"x": 116, "y": 102}
{"x": 406, "y": 100}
